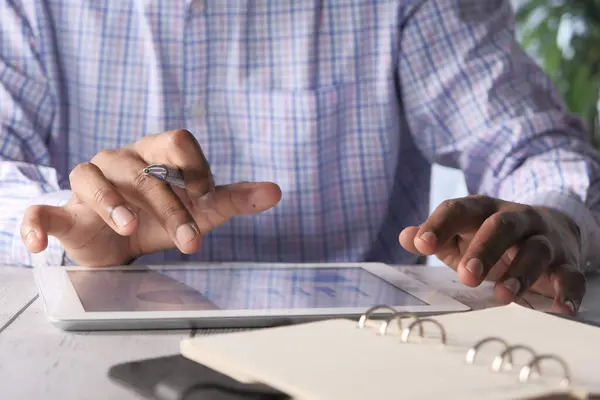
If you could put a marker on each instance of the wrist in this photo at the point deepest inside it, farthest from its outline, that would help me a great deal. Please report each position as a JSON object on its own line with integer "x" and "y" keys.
{"x": 563, "y": 220}
{"x": 575, "y": 208}
{"x": 566, "y": 228}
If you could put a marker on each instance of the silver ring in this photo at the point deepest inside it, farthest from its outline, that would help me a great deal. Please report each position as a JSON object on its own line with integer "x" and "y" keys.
{"x": 470, "y": 356}
{"x": 407, "y": 331}
{"x": 498, "y": 362}
{"x": 363, "y": 318}
{"x": 526, "y": 369}
{"x": 384, "y": 325}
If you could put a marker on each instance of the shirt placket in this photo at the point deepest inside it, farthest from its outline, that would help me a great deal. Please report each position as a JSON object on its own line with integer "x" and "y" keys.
{"x": 195, "y": 69}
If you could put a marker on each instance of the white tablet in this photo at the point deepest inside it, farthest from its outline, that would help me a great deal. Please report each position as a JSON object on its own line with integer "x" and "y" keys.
{"x": 227, "y": 295}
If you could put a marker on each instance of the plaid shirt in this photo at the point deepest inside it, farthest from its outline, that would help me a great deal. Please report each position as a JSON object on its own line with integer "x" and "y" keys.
{"x": 345, "y": 104}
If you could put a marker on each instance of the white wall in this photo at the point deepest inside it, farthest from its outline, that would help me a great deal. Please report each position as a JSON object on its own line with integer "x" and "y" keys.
{"x": 446, "y": 183}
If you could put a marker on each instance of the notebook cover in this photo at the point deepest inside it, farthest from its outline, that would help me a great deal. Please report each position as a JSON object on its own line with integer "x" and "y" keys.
{"x": 178, "y": 378}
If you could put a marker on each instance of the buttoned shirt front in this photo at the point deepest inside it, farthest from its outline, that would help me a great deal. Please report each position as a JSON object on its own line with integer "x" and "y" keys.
{"x": 344, "y": 104}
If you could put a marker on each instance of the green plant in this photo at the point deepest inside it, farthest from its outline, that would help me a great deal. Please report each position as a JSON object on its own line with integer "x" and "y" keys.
{"x": 564, "y": 36}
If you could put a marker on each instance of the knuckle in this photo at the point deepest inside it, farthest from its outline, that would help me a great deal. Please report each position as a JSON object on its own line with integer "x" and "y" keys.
{"x": 221, "y": 213}
{"x": 170, "y": 210}
{"x": 506, "y": 222}
{"x": 485, "y": 205}
{"x": 179, "y": 138}
{"x": 454, "y": 206}
{"x": 483, "y": 200}
{"x": 80, "y": 170}
{"x": 102, "y": 196}
{"x": 234, "y": 207}
{"x": 104, "y": 156}
{"x": 480, "y": 197}
{"x": 536, "y": 218}
{"x": 33, "y": 213}
{"x": 541, "y": 246}
{"x": 142, "y": 184}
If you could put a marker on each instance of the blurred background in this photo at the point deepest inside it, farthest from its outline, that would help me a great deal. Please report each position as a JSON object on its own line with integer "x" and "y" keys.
{"x": 563, "y": 36}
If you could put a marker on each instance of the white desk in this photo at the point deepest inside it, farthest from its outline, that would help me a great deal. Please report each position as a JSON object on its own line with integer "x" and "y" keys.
{"x": 39, "y": 361}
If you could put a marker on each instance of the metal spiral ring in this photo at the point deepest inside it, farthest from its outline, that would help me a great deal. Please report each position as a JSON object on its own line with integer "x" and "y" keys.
{"x": 498, "y": 362}
{"x": 398, "y": 317}
{"x": 407, "y": 331}
{"x": 525, "y": 372}
{"x": 363, "y": 319}
{"x": 472, "y": 353}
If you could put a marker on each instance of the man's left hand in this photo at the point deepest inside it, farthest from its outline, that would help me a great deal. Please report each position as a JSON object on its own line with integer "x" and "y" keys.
{"x": 515, "y": 245}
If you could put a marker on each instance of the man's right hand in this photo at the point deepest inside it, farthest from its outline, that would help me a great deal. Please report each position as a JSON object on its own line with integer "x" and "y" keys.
{"x": 117, "y": 213}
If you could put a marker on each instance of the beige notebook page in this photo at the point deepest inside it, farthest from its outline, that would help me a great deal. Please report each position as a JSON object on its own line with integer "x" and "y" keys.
{"x": 334, "y": 359}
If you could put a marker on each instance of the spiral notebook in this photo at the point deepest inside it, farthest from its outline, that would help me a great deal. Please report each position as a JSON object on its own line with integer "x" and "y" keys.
{"x": 507, "y": 352}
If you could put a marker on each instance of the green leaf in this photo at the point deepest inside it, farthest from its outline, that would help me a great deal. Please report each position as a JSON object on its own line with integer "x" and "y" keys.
{"x": 578, "y": 75}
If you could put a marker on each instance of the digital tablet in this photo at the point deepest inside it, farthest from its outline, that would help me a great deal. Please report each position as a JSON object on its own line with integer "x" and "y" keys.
{"x": 227, "y": 295}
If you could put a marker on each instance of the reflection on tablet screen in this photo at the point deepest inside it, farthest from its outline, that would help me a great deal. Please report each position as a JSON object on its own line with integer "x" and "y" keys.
{"x": 234, "y": 289}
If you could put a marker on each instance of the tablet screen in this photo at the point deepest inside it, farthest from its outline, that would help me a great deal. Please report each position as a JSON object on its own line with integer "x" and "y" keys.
{"x": 234, "y": 289}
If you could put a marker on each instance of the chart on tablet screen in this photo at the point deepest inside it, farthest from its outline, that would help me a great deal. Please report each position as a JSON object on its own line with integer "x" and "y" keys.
{"x": 257, "y": 288}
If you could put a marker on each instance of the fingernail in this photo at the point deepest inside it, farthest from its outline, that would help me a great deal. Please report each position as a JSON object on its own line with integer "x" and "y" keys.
{"x": 513, "y": 285}
{"x": 475, "y": 267}
{"x": 121, "y": 216}
{"x": 570, "y": 305}
{"x": 429, "y": 237}
{"x": 184, "y": 233}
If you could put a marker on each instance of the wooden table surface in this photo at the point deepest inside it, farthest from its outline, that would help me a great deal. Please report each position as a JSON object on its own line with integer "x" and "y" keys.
{"x": 39, "y": 361}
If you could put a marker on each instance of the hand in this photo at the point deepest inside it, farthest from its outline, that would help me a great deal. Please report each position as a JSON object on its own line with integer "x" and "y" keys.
{"x": 517, "y": 246}
{"x": 117, "y": 213}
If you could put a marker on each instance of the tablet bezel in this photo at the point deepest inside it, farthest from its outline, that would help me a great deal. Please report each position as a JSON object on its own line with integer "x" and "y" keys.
{"x": 64, "y": 308}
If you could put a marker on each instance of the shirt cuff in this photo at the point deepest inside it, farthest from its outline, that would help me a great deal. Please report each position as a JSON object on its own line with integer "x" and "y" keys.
{"x": 586, "y": 220}
{"x": 54, "y": 253}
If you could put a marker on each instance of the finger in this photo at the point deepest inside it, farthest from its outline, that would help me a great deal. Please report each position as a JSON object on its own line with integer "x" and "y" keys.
{"x": 450, "y": 218}
{"x": 180, "y": 149}
{"x": 407, "y": 239}
{"x": 533, "y": 259}
{"x": 546, "y": 284}
{"x": 238, "y": 199}
{"x": 185, "y": 198}
{"x": 124, "y": 170}
{"x": 493, "y": 239}
{"x": 41, "y": 221}
{"x": 91, "y": 187}
{"x": 570, "y": 288}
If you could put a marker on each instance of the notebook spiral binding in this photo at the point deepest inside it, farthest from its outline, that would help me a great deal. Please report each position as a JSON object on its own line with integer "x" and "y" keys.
{"x": 503, "y": 360}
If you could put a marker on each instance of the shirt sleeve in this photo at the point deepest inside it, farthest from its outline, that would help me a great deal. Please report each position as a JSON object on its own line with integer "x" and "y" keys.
{"x": 475, "y": 101}
{"x": 26, "y": 118}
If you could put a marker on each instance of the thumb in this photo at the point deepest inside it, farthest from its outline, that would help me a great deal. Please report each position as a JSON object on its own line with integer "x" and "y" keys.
{"x": 242, "y": 198}
{"x": 41, "y": 221}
